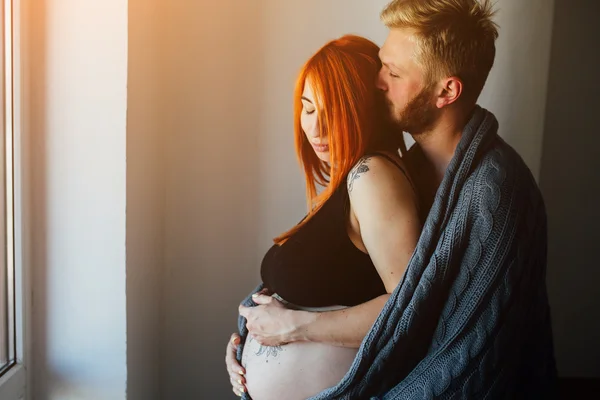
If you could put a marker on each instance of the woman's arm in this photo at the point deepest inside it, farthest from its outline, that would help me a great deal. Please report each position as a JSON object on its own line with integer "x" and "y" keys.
{"x": 384, "y": 213}
{"x": 344, "y": 328}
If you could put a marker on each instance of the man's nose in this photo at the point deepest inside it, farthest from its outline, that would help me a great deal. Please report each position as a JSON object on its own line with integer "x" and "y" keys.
{"x": 380, "y": 81}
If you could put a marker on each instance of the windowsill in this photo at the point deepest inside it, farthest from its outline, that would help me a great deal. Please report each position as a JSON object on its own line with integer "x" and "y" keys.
{"x": 12, "y": 383}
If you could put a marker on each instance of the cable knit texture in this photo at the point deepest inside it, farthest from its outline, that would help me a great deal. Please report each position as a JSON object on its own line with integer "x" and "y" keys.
{"x": 470, "y": 319}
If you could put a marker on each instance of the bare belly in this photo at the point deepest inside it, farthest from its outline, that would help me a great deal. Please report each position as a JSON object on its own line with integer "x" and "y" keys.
{"x": 295, "y": 371}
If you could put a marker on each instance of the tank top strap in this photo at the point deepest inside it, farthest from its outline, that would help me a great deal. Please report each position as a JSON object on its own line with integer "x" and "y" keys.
{"x": 400, "y": 167}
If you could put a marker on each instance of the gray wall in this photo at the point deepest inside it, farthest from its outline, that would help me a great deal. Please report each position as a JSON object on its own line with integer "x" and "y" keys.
{"x": 515, "y": 90}
{"x": 214, "y": 86}
{"x": 570, "y": 181}
{"x": 145, "y": 199}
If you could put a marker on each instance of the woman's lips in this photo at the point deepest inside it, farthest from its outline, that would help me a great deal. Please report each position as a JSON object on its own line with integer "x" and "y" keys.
{"x": 321, "y": 148}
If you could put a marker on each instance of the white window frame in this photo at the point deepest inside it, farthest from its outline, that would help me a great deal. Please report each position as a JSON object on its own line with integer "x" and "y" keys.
{"x": 15, "y": 383}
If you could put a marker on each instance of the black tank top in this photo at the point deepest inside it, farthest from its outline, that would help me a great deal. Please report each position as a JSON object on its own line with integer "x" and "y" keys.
{"x": 319, "y": 266}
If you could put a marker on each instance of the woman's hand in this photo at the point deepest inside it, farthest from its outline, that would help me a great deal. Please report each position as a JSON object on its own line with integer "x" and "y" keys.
{"x": 235, "y": 370}
{"x": 270, "y": 323}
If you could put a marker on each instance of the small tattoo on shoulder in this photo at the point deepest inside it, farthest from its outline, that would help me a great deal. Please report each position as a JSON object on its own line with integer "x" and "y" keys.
{"x": 360, "y": 168}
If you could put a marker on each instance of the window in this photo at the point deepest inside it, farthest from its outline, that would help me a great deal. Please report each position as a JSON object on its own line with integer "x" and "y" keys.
{"x": 7, "y": 270}
{"x": 12, "y": 312}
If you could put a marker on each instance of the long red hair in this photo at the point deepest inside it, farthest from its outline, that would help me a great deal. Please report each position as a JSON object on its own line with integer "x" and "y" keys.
{"x": 351, "y": 112}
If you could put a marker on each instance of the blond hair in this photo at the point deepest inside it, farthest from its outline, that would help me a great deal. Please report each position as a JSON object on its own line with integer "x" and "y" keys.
{"x": 454, "y": 38}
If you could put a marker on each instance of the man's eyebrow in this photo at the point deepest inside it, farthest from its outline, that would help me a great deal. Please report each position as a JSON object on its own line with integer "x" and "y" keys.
{"x": 304, "y": 98}
{"x": 394, "y": 66}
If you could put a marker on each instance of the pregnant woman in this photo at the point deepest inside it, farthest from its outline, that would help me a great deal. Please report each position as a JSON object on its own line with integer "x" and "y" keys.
{"x": 351, "y": 249}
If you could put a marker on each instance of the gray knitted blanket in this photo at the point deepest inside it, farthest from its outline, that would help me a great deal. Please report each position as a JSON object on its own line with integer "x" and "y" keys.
{"x": 470, "y": 319}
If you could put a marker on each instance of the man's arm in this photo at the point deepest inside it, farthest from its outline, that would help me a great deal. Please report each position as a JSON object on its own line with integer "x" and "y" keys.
{"x": 344, "y": 328}
{"x": 271, "y": 324}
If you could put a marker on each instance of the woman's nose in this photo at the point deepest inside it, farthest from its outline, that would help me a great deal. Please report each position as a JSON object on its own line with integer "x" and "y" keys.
{"x": 313, "y": 131}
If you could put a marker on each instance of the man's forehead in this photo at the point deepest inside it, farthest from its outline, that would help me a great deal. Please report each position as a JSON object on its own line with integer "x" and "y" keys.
{"x": 399, "y": 46}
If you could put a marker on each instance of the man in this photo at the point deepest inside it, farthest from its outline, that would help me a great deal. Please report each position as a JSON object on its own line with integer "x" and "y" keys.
{"x": 471, "y": 317}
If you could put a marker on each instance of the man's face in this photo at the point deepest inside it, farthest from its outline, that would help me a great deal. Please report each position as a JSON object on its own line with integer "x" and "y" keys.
{"x": 410, "y": 97}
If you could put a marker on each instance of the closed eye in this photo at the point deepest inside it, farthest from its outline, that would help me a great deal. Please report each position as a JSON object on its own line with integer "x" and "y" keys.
{"x": 391, "y": 73}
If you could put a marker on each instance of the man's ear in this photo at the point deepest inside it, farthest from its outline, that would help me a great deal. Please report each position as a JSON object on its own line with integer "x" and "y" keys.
{"x": 450, "y": 90}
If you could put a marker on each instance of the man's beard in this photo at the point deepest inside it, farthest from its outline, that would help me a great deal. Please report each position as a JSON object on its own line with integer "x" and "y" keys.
{"x": 418, "y": 116}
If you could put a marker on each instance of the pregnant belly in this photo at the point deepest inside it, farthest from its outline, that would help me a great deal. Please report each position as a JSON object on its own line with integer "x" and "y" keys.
{"x": 295, "y": 371}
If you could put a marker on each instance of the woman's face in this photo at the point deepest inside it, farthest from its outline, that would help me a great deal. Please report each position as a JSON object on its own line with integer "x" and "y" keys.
{"x": 309, "y": 120}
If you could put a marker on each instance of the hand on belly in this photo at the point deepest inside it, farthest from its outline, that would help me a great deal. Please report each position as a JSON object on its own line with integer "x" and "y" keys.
{"x": 294, "y": 371}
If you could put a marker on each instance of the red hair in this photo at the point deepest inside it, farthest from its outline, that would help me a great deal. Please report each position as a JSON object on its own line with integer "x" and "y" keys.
{"x": 351, "y": 113}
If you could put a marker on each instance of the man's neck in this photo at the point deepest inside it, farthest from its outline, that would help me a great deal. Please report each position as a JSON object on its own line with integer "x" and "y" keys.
{"x": 439, "y": 144}
{"x": 438, "y": 150}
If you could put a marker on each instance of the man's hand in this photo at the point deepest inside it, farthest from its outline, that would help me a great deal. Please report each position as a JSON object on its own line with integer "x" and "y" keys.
{"x": 235, "y": 370}
{"x": 270, "y": 323}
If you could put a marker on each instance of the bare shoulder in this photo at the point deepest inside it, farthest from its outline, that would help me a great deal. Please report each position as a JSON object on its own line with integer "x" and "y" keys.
{"x": 377, "y": 169}
{"x": 384, "y": 214}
